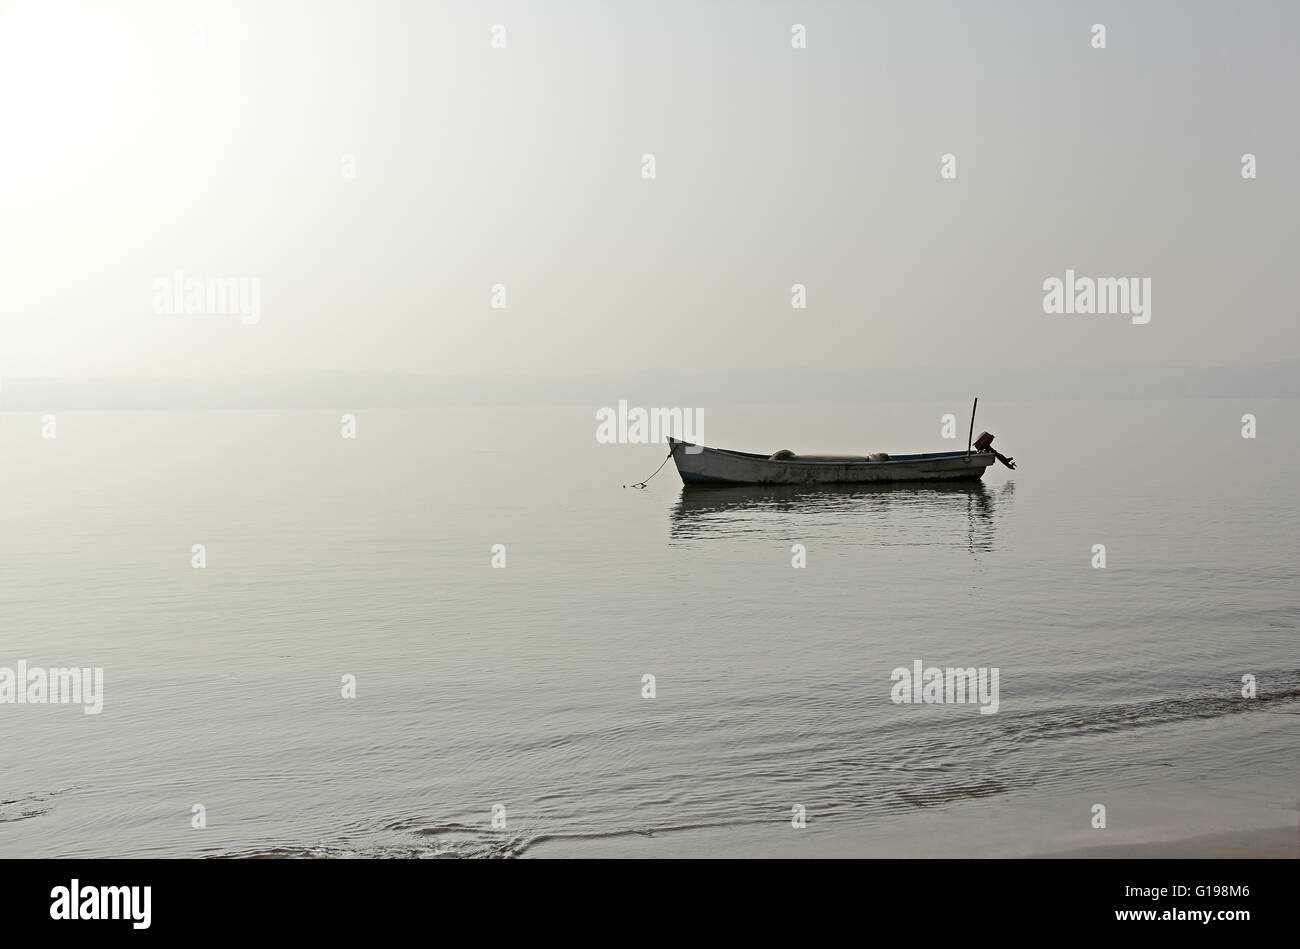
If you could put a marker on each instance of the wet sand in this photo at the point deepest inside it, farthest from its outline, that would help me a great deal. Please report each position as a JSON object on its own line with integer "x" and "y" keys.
{"x": 1277, "y": 844}
{"x": 1273, "y": 843}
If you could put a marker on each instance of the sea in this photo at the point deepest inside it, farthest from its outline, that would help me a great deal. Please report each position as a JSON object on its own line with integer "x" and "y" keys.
{"x": 464, "y": 633}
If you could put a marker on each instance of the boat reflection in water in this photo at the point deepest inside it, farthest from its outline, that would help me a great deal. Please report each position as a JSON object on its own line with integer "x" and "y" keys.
{"x": 936, "y": 513}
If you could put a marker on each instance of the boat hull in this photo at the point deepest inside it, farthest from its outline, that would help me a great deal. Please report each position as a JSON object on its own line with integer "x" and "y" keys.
{"x": 699, "y": 465}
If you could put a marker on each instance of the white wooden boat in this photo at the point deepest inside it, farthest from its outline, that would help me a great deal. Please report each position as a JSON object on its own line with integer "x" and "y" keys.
{"x": 700, "y": 465}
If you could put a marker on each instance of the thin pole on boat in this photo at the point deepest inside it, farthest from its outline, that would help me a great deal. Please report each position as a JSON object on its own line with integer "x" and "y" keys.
{"x": 971, "y": 433}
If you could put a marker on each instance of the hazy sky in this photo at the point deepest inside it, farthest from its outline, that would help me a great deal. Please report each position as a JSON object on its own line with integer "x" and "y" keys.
{"x": 141, "y": 139}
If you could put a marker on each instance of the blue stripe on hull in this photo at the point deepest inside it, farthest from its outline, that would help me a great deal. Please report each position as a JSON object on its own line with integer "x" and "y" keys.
{"x": 687, "y": 476}
{"x": 975, "y": 475}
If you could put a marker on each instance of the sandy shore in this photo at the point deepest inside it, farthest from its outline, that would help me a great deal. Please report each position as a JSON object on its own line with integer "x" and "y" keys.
{"x": 1274, "y": 843}
{"x": 1278, "y": 843}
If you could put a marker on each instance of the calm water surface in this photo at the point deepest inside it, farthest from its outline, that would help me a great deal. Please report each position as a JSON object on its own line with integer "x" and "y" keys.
{"x": 522, "y": 686}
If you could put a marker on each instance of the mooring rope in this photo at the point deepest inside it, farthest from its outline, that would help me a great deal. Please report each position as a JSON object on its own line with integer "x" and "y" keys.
{"x": 642, "y": 484}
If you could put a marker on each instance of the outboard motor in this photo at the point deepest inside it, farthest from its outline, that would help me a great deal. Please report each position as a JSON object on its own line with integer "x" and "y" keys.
{"x": 985, "y": 443}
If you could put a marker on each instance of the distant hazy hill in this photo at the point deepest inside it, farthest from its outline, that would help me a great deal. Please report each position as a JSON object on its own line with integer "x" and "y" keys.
{"x": 667, "y": 388}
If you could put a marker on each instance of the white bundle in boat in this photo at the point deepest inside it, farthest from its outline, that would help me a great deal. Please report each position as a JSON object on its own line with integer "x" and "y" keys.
{"x": 786, "y": 454}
